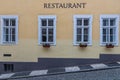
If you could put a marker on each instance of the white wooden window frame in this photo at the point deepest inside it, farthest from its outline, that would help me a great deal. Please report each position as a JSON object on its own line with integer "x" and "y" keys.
{"x": 75, "y": 26}
{"x": 117, "y": 28}
{"x": 40, "y": 17}
{"x": 16, "y": 28}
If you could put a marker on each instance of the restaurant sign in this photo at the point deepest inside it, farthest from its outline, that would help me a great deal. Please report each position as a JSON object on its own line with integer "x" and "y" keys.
{"x": 64, "y": 5}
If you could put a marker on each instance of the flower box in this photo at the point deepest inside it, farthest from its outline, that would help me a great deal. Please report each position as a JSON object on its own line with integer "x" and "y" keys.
{"x": 82, "y": 45}
{"x": 46, "y": 45}
{"x": 109, "y": 46}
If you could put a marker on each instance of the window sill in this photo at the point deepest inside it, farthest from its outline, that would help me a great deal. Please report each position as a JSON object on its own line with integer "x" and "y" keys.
{"x": 41, "y": 44}
{"x": 103, "y": 45}
{"x": 8, "y": 44}
{"x": 82, "y": 43}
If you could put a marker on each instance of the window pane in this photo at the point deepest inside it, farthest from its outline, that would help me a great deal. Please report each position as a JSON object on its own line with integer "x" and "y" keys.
{"x": 5, "y": 34}
{"x": 79, "y": 38}
{"x": 12, "y": 22}
{"x": 44, "y": 38}
{"x": 112, "y": 34}
{"x": 50, "y": 33}
{"x": 13, "y": 34}
{"x": 6, "y": 38}
{"x": 44, "y": 35}
{"x": 86, "y": 30}
{"x": 44, "y": 22}
{"x": 104, "y": 31}
{"x": 8, "y": 67}
{"x": 104, "y": 35}
{"x": 13, "y": 37}
{"x": 85, "y": 38}
{"x": 86, "y": 22}
{"x": 5, "y": 30}
{"x": 105, "y": 22}
{"x": 108, "y": 35}
{"x": 112, "y": 22}
{"x": 85, "y": 35}
{"x": 6, "y": 22}
{"x": 50, "y": 22}
{"x": 50, "y": 38}
{"x": 111, "y": 38}
{"x": 13, "y": 30}
{"x": 44, "y": 31}
{"x": 79, "y": 22}
{"x": 104, "y": 38}
{"x": 5, "y": 67}
{"x": 79, "y": 30}
{"x": 111, "y": 31}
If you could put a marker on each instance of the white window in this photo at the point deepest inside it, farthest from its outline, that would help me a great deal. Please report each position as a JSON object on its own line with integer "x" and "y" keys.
{"x": 109, "y": 25}
{"x": 47, "y": 29}
{"x": 82, "y": 29}
{"x": 9, "y": 29}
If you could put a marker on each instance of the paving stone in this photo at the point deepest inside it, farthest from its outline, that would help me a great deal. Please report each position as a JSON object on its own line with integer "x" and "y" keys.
{"x": 72, "y": 69}
{"x": 59, "y": 70}
{"x": 4, "y": 76}
{"x": 99, "y": 66}
{"x": 112, "y": 64}
{"x": 38, "y": 72}
{"x": 118, "y": 62}
{"x": 21, "y": 74}
{"x": 85, "y": 67}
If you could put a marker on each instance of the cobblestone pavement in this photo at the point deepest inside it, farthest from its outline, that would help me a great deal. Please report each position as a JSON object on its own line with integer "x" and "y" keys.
{"x": 109, "y": 74}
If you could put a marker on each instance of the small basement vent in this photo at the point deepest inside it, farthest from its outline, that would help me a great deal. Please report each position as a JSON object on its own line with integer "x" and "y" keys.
{"x": 7, "y": 55}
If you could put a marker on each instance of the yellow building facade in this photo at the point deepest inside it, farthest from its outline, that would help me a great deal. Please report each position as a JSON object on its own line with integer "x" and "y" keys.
{"x": 27, "y": 51}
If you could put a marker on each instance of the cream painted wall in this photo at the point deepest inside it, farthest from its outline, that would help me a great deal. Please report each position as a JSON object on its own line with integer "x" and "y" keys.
{"x": 28, "y": 49}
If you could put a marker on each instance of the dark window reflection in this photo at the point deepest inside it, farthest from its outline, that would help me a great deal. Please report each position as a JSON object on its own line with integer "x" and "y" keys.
{"x": 105, "y": 22}
{"x": 44, "y": 22}
{"x": 112, "y": 22}
{"x": 79, "y": 22}
{"x": 79, "y": 38}
{"x": 50, "y": 22}
{"x": 86, "y": 22}
{"x": 6, "y": 22}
